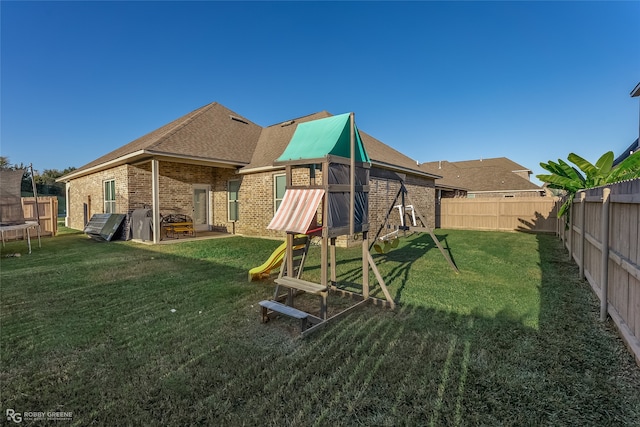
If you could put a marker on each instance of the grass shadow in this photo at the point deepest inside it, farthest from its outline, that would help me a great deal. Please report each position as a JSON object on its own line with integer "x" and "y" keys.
{"x": 92, "y": 333}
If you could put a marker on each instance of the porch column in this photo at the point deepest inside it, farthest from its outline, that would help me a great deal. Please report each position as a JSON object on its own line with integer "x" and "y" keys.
{"x": 155, "y": 197}
{"x": 67, "y": 203}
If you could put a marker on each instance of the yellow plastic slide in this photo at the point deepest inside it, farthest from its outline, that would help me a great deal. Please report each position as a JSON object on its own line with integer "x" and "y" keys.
{"x": 274, "y": 261}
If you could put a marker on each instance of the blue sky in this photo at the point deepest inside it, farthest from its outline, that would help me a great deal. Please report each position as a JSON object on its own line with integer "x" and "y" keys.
{"x": 531, "y": 81}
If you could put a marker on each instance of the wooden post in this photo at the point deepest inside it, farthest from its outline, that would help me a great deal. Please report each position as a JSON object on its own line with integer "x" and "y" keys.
{"x": 383, "y": 285}
{"x": 558, "y": 222}
{"x": 289, "y": 255}
{"x": 583, "y": 202}
{"x": 332, "y": 260}
{"x": 604, "y": 258}
{"x": 289, "y": 251}
{"x": 325, "y": 227}
{"x": 35, "y": 195}
{"x": 352, "y": 175}
{"x": 570, "y": 236}
{"x": 365, "y": 265}
{"x": 433, "y": 236}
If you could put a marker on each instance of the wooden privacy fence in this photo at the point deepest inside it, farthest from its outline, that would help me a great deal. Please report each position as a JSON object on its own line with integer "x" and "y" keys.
{"x": 603, "y": 238}
{"x": 48, "y": 211}
{"x": 531, "y": 214}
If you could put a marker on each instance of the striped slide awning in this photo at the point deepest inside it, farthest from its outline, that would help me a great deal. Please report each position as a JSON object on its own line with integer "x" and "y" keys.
{"x": 296, "y": 210}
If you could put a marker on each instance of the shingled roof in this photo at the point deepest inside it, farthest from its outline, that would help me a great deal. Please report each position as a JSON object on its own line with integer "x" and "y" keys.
{"x": 217, "y": 136}
{"x": 211, "y": 134}
{"x": 497, "y": 174}
{"x": 274, "y": 139}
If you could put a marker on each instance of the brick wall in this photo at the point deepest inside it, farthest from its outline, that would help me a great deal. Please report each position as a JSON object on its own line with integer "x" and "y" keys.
{"x": 139, "y": 177}
{"x": 89, "y": 190}
{"x": 421, "y": 192}
{"x": 257, "y": 212}
{"x": 257, "y": 205}
{"x": 221, "y": 200}
{"x": 133, "y": 190}
{"x": 256, "y": 195}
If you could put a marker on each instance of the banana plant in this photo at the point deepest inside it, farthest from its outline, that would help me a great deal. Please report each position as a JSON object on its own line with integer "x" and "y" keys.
{"x": 571, "y": 179}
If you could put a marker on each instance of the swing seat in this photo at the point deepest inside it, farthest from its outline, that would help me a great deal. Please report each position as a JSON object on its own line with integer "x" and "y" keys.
{"x": 388, "y": 245}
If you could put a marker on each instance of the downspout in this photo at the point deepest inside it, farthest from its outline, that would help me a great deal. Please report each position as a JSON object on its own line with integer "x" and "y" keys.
{"x": 155, "y": 197}
{"x": 67, "y": 204}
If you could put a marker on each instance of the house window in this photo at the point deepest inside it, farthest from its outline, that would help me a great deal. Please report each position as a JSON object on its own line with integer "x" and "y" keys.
{"x": 279, "y": 184}
{"x": 110, "y": 196}
{"x": 234, "y": 188}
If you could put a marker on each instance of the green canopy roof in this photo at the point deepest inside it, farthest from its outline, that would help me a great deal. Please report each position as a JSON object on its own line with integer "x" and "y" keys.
{"x": 320, "y": 138}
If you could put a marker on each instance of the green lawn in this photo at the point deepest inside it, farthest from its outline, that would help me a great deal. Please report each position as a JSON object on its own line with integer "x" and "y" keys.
{"x": 514, "y": 339}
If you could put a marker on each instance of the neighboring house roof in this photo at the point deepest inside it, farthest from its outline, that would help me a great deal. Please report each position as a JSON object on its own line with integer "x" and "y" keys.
{"x": 635, "y": 146}
{"x": 497, "y": 174}
{"x": 211, "y": 134}
{"x": 451, "y": 178}
{"x": 214, "y": 135}
{"x": 500, "y": 162}
{"x": 386, "y": 157}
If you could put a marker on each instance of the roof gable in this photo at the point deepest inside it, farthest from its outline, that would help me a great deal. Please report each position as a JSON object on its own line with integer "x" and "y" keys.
{"x": 212, "y": 132}
{"x": 274, "y": 139}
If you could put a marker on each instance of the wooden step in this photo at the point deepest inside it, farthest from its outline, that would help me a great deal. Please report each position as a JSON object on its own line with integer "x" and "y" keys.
{"x": 283, "y": 309}
{"x": 301, "y": 285}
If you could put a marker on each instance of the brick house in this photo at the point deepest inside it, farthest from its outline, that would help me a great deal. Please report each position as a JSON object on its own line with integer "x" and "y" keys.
{"x": 495, "y": 177}
{"x": 217, "y": 167}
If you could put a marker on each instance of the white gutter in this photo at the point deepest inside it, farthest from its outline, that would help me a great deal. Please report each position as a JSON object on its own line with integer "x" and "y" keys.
{"x": 403, "y": 169}
{"x": 506, "y": 191}
{"x": 260, "y": 169}
{"x": 99, "y": 167}
{"x": 373, "y": 163}
{"x": 146, "y": 153}
{"x": 201, "y": 160}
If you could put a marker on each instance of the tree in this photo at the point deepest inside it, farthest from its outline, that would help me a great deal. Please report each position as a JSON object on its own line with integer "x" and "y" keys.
{"x": 4, "y": 163}
{"x": 568, "y": 178}
{"x": 45, "y": 182}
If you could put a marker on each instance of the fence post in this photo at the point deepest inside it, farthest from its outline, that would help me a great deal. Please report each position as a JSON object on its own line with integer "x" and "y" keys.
{"x": 570, "y": 236}
{"x": 583, "y": 202}
{"x": 604, "y": 259}
{"x": 558, "y": 223}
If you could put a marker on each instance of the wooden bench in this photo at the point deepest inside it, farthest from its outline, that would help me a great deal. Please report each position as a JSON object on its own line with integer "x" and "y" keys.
{"x": 177, "y": 228}
{"x": 283, "y": 309}
{"x": 305, "y": 286}
{"x": 176, "y": 225}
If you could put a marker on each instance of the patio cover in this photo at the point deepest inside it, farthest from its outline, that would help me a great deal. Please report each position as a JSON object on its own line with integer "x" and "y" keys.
{"x": 323, "y": 137}
{"x": 297, "y": 210}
